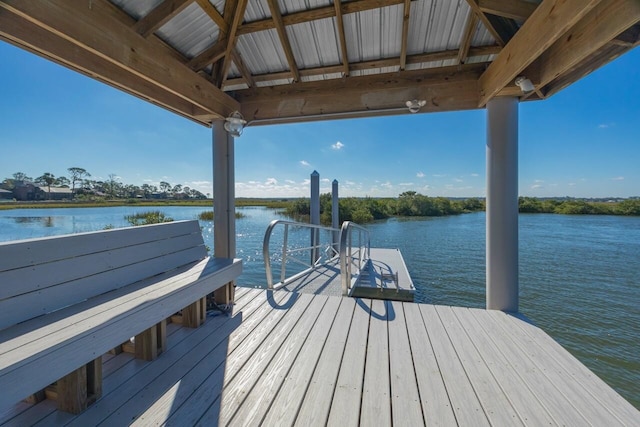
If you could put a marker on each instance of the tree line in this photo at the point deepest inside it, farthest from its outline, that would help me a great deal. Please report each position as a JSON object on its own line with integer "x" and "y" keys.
{"x": 363, "y": 210}
{"x": 412, "y": 204}
{"x": 83, "y": 187}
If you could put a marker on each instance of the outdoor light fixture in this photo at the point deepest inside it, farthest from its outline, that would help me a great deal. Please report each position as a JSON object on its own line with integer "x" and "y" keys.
{"x": 234, "y": 124}
{"x": 415, "y": 105}
{"x": 524, "y": 84}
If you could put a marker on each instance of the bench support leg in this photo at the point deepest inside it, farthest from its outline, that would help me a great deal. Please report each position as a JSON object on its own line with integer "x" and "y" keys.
{"x": 150, "y": 343}
{"x": 80, "y": 388}
{"x": 195, "y": 314}
{"x": 224, "y": 294}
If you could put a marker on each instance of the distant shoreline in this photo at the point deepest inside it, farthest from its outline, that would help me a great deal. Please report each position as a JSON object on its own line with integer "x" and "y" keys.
{"x": 566, "y": 206}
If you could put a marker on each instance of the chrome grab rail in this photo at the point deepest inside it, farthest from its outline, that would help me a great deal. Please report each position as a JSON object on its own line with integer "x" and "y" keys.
{"x": 349, "y": 257}
{"x": 292, "y": 255}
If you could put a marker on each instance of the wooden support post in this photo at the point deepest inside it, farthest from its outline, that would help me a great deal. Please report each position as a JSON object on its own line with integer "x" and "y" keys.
{"x": 192, "y": 314}
{"x": 80, "y": 388}
{"x": 224, "y": 210}
{"x": 150, "y": 343}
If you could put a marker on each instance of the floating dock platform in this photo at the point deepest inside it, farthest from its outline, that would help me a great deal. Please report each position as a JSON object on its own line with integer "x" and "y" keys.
{"x": 384, "y": 277}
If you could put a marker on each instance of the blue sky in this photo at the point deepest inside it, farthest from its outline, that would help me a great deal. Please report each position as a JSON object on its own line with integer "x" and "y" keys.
{"x": 582, "y": 142}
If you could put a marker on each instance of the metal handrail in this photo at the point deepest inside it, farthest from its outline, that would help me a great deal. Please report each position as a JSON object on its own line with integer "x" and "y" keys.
{"x": 349, "y": 257}
{"x": 289, "y": 254}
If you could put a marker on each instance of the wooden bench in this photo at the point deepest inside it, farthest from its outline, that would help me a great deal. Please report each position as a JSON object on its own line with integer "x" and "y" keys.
{"x": 67, "y": 300}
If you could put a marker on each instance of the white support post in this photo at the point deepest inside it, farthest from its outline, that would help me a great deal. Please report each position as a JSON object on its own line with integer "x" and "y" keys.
{"x": 335, "y": 212}
{"x": 502, "y": 204}
{"x": 314, "y": 212}
{"x": 224, "y": 210}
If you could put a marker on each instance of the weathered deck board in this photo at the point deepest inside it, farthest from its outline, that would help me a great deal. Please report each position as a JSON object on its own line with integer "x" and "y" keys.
{"x": 288, "y": 359}
{"x": 345, "y": 404}
{"x": 436, "y": 406}
{"x": 405, "y": 398}
{"x": 324, "y": 379}
{"x": 376, "y": 390}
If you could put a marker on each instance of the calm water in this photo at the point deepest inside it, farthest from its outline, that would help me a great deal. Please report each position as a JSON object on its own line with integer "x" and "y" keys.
{"x": 579, "y": 275}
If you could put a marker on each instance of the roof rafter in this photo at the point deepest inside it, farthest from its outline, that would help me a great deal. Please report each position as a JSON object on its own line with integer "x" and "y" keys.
{"x": 210, "y": 55}
{"x": 601, "y": 25}
{"x": 444, "y": 89}
{"x": 284, "y": 38}
{"x": 214, "y": 15}
{"x": 343, "y": 41}
{"x": 232, "y": 39}
{"x": 514, "y": 9}
{"x": 475, "y": 8}
{"x": 381, "y": 63}
{"x": 122, "y": 47}
{"x": 405, "y": 34}
{"x": 160, "y": 15}
{"x": 246, "y": 74}
{"x": 547, "y": 24}
{"x": 314, "y": 14}
{"x": 470, "y": 29}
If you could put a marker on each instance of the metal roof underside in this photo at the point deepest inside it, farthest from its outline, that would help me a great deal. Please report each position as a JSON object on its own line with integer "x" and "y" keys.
{"x": 296, "y": 60}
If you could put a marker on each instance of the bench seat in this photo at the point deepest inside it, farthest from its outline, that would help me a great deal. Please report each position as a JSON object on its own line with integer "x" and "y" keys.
{"x": 43, "y": 349}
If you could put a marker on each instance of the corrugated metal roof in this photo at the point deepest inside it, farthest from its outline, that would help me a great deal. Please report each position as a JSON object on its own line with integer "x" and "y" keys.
{"x": 434, "y": 26}
{"x": 190, "y": 32}
{"x": 314, "y": 44}
{"x": 137, "y": 8}
{"x": 262, "y": 52}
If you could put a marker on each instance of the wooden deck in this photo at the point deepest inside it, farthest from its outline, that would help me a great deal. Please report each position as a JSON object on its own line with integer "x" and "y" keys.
{"x": 301, "y": 359}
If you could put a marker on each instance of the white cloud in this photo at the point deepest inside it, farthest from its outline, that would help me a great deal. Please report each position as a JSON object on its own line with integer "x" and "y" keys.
{"x": 438, "y": 175}
{"x": 572, "y": 184}
{"x": 538, "y": 181}
{"x": 420, "y": 175}
{"x": 337, "y": 146}
{"x": 350, "y": 183}
{"x": 406, "y": 184}
{"x": 386, "y": 184}
{"x": 304, "y": 163}
{"x": 325, "y": 180}
{"x": 605, "y": 125}
{"x": 618, "y": 178}
{"x": 536, "y": 186}
{"x": 288, "y": 181}
{"x": 271, "y": 181}
{"x": 200, "y": 183}
{"x": 475, "y": 174}
{"x": 457, "y": 180}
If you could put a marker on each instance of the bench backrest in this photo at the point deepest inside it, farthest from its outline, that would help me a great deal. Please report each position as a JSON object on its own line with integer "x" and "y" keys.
{"x": 38, "y": 276}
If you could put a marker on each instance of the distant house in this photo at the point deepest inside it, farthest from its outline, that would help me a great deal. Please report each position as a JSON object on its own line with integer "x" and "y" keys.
{"x": 6, "y": 194}
{"x": 25, "y": 191}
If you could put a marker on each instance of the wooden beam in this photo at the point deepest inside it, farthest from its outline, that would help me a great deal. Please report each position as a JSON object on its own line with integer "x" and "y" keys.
{"x": 215, "y": 16}
{"x": 209, "y": 55}
{"x": 341, "y": 37}
{"x": 603, "y": 56}
{"x": 463, "y": 52}
{"x": 246, "y": 73}
{"x": 405, "y": 34}
{"x": 160, "y": 15}
{"x": 475, "y": 8}
{"x": 444, "y": 89}
{"x": 629, "y": 37}
{"x": 122, "y": 47}
{"x": 315, "y": 14}
{"x": 547, "y": 24}
{"x": 513, "y": 9}
{"x": 24, "y": 34}
{"x": 601, "y": 25}
{"x": 284, "y": 39}
{"x": 375, "y": 64}
{"x": 232, "y": 39}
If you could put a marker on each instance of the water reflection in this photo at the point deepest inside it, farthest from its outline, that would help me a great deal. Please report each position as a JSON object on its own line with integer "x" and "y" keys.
{"x": 45, "y": 221}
